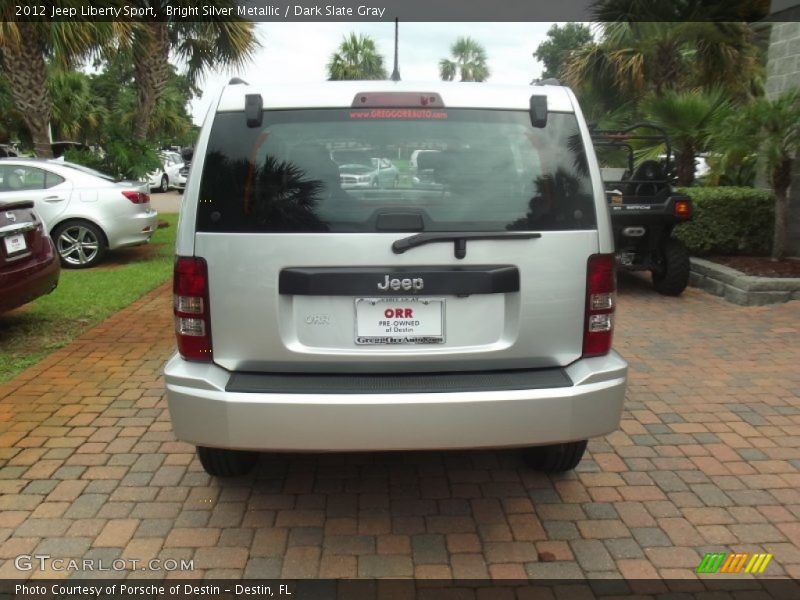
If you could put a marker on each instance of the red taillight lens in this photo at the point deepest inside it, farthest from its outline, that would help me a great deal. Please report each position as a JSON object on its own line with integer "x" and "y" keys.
{"x": 191, "y": 310}
{"x": 683, "y": 209}
{"x": 137, "y": 197}
{"x": 601, "y": 288}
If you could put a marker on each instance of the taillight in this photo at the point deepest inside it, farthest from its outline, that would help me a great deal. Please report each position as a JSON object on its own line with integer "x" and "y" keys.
{"x": 191, "y": 310}
{"x": 683, "y": 209}
{"x": 136, "y": 197}
{"x": 601, "y": 288}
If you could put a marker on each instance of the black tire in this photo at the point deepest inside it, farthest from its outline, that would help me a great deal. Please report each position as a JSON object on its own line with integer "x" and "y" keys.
{"x": 671, "y": 273}
{"x": 80, "y": 244}
{"x": 555, "y": 458}
{"x": 221, "y": 462}
{"x": 164, "y": 187}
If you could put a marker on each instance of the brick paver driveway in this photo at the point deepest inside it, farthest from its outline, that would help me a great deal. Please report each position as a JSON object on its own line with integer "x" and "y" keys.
{"x": 707, "y": 459}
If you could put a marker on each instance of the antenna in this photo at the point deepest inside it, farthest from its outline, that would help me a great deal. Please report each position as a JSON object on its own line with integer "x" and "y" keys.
{"x": 396, "y": 73}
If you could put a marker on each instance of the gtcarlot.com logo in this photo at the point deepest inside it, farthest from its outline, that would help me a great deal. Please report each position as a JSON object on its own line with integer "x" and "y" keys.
{"x": 742, "y": 562}
{"x": 44, "y": 562}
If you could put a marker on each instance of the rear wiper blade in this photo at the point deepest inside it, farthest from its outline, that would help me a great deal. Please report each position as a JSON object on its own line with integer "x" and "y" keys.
{"x": 460, "y": 238}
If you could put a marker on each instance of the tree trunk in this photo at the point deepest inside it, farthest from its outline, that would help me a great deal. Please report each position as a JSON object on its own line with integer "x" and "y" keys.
{"x": 781, "y": 179}
{"x": 151, "y": 70}
{"x": 26, "y": 72}
{"x": 684, "y": 166}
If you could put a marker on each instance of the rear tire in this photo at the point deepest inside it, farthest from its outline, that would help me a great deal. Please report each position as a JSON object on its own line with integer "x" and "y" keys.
{"x": 164, "y": 187}
{"x": 221, "y": 462}
{"x": 673, "y": 275}
{"x": 80, "y": 244}
{"x": 555, "y": 458}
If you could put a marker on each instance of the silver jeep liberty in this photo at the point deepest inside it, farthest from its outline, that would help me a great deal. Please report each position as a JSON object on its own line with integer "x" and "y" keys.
{"x": 332, "y": 295}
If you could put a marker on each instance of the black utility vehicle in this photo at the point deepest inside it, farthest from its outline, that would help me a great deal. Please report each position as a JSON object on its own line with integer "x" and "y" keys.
{"x": 644, "y": 207}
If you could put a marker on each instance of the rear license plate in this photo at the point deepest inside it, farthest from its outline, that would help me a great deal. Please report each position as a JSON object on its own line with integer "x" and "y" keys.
{"x": 15, "y": 244}
{"x": 399, "y": 320}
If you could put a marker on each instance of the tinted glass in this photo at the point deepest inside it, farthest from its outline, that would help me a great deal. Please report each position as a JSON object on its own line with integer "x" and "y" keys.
{"x": 52, "y": 180}
{"x": 339, "y": 170}
{"x": 16, "y": 178}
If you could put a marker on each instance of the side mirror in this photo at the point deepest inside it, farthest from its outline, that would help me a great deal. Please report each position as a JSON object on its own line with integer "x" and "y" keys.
{"x": 538, "y": 110}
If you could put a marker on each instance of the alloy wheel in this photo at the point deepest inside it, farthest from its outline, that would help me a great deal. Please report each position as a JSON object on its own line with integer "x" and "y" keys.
{"x": 77, "y": 245}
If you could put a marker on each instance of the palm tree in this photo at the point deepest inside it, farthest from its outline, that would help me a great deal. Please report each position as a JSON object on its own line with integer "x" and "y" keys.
{"x": 356, "y": 58}
{"x": 115, "y": 86}
{"x": 688, "y": 117}
{"x": 634, "y": 58}
{"x": 470, "y": 61}
{"x": 77, "y": 113}
{"x": 25, "y": 50}
{"x": 770, "y": 128}
{"x": 202, "y": 45}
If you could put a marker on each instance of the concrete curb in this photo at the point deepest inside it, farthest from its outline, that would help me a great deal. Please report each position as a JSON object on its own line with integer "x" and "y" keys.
{"x": 736, "y": 287}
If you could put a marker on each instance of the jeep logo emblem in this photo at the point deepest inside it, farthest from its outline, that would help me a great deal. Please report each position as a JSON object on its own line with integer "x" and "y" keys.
{"x": 415, "y": 284}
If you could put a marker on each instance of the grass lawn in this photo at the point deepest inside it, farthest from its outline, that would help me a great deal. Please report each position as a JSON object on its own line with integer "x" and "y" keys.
{"x": 83, "y": 298}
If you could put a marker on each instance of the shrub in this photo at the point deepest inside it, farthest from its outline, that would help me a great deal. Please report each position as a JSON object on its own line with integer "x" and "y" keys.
{"x": 121, "y": 159}
{"x": 729, "y": 221}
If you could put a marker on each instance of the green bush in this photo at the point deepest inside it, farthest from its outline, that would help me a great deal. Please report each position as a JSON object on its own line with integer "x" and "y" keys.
{"x": 729, "y": 221}
{"x": 121, "y": 159}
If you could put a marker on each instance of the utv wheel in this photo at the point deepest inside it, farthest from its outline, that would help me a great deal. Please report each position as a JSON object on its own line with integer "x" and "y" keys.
{"x": 555, "y": 458}
{"x": 164, "y": 187}
{"x": 220, "y": 462}
{"x": 671, "y": 273}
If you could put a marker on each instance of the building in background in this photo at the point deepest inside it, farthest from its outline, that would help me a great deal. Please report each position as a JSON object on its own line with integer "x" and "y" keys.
{"x": 783, "y": 73}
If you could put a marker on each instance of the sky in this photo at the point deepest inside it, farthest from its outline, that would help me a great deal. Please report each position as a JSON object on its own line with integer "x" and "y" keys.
{"x": 299, "y": 52}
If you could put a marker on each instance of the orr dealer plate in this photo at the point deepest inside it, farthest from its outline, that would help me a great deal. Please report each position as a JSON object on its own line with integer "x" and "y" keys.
{"x": 399, "y": 320}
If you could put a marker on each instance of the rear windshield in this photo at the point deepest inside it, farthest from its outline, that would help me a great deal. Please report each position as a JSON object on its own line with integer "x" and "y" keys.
{"x": 339, "y": 170}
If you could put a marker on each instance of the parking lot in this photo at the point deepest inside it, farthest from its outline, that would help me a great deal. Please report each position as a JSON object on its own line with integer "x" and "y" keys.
{"x": 707, "y": 460}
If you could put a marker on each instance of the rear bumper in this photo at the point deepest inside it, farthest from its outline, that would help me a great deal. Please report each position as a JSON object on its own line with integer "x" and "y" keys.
{"x": 131, "y": 230}
{"x": 30, "y": 278}
{"x": 205, "y": 414}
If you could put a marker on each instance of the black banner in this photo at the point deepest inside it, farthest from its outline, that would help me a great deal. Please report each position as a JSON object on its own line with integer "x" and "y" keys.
{"x": 377, "y": 10}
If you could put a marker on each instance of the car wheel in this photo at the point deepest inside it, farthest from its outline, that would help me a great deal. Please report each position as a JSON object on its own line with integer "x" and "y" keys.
{"x": 221, "y": 462}
{"x": 672, "y": 268}
{"x": 80, "y": 244}
{"x": 374, "y": 182}
{"x": 164, "y": 187}
{"x": 396, "y": 181}
{"x": 555, "y": 458}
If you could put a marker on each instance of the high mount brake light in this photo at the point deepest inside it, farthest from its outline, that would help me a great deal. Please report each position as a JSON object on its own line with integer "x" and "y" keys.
{"x": 601, "y": 287}
{"x": 191, "y": 309}
{"x": 397, "y": 99}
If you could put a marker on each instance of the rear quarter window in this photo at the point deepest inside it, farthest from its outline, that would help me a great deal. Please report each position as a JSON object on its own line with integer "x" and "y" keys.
{"x": 338, "y": 170}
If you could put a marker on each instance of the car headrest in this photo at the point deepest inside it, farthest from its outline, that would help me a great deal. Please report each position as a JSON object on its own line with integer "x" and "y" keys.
{"x": 15, "y": 181}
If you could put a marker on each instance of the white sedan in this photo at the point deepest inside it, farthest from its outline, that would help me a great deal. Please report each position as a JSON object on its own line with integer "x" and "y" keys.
{"x": 169, "y": 175}
{"x": 86, "y": 212}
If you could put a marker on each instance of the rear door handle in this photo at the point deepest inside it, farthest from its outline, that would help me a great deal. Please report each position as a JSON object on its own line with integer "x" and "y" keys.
{"x": 53, "y": 199}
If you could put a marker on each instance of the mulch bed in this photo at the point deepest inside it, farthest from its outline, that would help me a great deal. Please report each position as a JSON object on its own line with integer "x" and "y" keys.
{"x": 760, "y": 266}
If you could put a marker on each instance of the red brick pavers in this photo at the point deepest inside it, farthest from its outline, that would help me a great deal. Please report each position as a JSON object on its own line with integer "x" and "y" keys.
{"x": 707, "y": 459}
